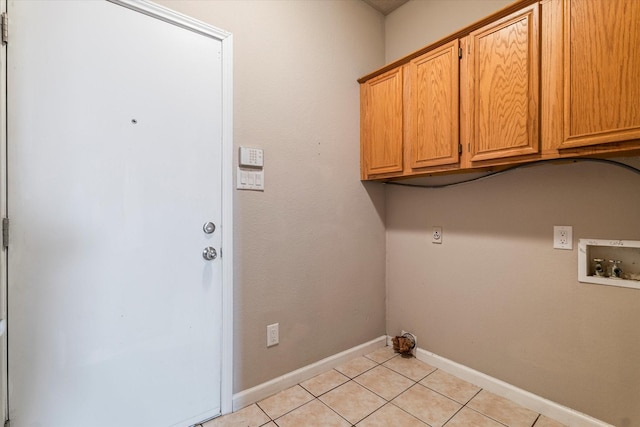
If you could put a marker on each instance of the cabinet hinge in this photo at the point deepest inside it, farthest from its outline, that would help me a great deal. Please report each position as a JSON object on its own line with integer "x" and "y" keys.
{"x": 5, "y": 232}
{"x": 460, "y": 53}
{"x": 469, "y": 147}
{"x": 4, "y": 23}
{"x": 459, "y": 148}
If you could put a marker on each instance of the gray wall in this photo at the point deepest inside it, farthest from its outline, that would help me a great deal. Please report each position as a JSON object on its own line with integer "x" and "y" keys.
{"x": 496, "y": 296}
{"x": 310, "y": 250}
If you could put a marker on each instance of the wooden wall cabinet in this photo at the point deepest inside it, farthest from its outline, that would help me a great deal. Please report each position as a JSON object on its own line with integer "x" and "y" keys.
{"x": 381, "y": 128}
{"x": 504, "y": 76}
{"x": 601, "y": 72}
{"x": 433, "y": 108}
{"x": 410, "y": 116}
{"x": 539, "y": 79}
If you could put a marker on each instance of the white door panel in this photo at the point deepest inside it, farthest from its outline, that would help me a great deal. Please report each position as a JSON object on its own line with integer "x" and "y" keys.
{"x": 114, "y": 156}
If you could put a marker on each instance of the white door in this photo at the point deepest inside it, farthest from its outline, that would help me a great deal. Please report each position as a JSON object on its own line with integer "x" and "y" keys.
{"x": 114, "y": 166}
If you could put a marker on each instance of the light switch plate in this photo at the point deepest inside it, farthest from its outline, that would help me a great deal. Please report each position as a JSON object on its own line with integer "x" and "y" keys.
{"x": 250, "y": 179}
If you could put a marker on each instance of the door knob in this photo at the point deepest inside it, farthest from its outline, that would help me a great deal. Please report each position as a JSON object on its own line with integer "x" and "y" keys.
{"x": 209, "y": 253}
{"x": 209, "y": 227}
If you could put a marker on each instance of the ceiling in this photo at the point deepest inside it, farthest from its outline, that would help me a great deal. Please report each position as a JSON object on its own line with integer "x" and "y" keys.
{"x": 385, "y": 6}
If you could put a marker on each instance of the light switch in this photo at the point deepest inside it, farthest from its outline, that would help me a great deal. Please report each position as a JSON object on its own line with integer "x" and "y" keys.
{"x": 250, "y": 179}
{"x": 259, "y": 180}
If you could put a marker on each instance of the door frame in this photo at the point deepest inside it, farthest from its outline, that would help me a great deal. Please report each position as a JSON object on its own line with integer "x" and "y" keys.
{"x": 4, "y": 354}
{"x": 226, "y": 228}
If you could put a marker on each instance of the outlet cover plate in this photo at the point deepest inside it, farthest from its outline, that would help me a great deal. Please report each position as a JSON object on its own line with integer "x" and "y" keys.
{"x": 273, "y": 334}
{"x": 563, "y": 237}
{"x": 436, "y": 236}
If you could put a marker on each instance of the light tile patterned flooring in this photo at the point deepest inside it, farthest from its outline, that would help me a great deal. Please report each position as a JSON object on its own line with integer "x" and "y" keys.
{"x": 383, "y": 389}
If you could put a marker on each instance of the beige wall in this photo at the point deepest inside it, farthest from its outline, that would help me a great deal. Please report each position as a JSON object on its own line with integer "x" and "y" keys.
{"x": 495, "y": 296}
{"x": 421, "y": 22}
{"x": 310, "y": 249}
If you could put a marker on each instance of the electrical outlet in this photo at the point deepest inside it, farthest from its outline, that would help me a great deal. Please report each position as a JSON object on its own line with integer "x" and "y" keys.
{"x": 273, "y": 334}
{"x": 563, "y": 237}
{"x": 436, "y": 237}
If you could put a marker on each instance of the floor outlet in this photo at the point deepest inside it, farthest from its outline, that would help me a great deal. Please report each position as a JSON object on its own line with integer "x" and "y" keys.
{"x": 415, "y": 340}
{"x": 563, "y": 237}
{"x": 273, "y": 334}
{"x": 437, "y": 235}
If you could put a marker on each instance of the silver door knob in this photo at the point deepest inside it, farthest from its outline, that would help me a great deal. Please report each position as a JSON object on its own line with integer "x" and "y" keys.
{"x": 209, "y": 253}
{"x": 209, "y": 228}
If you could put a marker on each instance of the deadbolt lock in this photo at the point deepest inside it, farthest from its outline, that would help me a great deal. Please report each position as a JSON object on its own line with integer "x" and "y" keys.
{"x": 209, "y": 253}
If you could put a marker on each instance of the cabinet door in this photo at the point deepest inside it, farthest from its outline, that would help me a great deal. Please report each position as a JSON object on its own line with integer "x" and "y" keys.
{"x": 601, "y": 71}
{"x": 381, "y": 124}
{"x": 504, "y": 73}
{"x": 434, "y": 109}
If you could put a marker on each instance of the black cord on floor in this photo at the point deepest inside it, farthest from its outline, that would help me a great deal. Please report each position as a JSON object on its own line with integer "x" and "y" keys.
{"x": 522, "y": 165}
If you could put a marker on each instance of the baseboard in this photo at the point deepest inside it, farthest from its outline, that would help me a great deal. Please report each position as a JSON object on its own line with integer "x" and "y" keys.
{"x": 529, "y": 400}
{"x": 264, "y": 390}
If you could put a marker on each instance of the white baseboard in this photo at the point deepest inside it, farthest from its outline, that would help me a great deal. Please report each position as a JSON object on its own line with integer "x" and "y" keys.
{"x": 264, "y": 390}
{"x": 529, "y": 400}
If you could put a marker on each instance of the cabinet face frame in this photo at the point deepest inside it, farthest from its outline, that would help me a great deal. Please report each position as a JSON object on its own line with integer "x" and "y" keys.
{"x": 433, "y": 107}
{"x": 486, "y": 91}
{"x": 601, "y": 69}
{"x": 381, "y": 133}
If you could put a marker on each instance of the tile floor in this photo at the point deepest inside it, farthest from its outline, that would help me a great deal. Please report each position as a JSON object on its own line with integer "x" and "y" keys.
{"x": 383, "y": 389}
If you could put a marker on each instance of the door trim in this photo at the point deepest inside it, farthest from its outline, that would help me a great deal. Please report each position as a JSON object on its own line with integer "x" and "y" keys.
{"x": 226, "y": 229}
{"x": 4, "y": 348}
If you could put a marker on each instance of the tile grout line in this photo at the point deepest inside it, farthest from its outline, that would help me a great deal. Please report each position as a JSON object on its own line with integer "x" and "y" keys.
{"x": 452, "y": 416}
{"x": 263, "y": 411}
{"x": 485, "y": 415}
{"x": 333, "y": 410}
{"x": 350, "y": 423}
{"x": 289, "y": 411}
{"x": 536, "y": 420}
{"x": 319, "y": 401}
{"x": 410, "y": 414}
{"x": 331, "y": 389}
{"x": 382, "y": 397}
